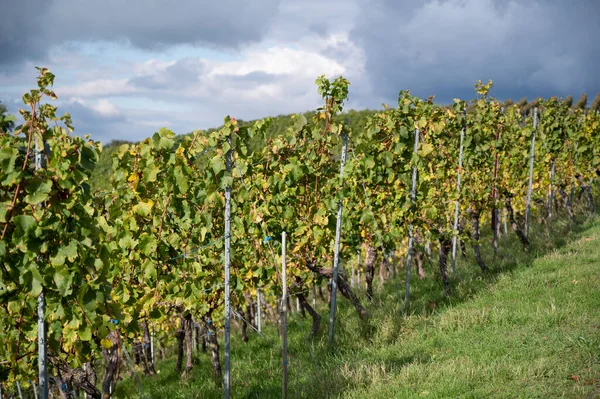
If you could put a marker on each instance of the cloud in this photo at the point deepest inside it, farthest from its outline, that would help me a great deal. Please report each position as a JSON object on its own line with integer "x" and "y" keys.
{"x": 132, "y": 100}
{"x": 443, "y": 47}
{"x": 96, "y": 88}
{"x": 87, "y": 115}
{"x": 32, "y": 28}
{"x": 105, "y": 121}
{"x": 261, "y": 74}
{"x": 297, "y": 20}
{"x": 187, "y": 66}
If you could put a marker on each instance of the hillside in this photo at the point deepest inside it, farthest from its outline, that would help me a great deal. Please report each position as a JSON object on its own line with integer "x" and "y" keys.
{"x": 528, "y": 330}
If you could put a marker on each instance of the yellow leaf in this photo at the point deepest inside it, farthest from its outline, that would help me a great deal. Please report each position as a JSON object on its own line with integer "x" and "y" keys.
{"x": 134, "y": 178}
{"x": 106, "y": 343}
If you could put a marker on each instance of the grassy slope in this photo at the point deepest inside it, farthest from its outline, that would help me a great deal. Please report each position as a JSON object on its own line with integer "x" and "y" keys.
{"x": 528, "y": 330}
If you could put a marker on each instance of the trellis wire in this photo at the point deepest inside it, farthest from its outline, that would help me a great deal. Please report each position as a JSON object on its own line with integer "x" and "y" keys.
{"x": 239, "y": 316}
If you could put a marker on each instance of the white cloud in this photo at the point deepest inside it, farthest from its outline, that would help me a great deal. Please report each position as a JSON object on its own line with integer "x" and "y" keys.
{"x": 105, "y": 108}
{"x": 96, "y": 88}
{"x": 280, "y": 61}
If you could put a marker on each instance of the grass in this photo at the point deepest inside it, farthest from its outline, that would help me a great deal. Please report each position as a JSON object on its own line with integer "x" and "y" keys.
{"x": 529, "y": 329}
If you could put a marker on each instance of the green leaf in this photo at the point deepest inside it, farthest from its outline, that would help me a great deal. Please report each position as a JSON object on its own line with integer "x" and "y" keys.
{"x": 24, "y": 224}
{"x": 149, "y": 270}
{"x": 127, "y": 242}
{"x": 70, "y": 251}
{"x": 226, "y": 147}
{"x": 10, "y": 118}
{"x": 36, "y": 282}
{"x": 387, "y": 158}
{"x": 148, "y": 244}
{"x": 150, "y": 173}
{"x": 143, "y": 208}
{"x": 58, "y": 259}
{"x": 4, "y": 207}
{"x": 63, "y": 281}
{"x": 8, "y": 157}
{"x": 226, "y": 181}
{"x": 217, "y": 164}
{"x": 181, "y": 180}
{"x": 86, "y": 333}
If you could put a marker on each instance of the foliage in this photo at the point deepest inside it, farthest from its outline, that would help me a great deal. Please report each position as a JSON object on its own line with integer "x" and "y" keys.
{"x": 51, "y": 238}
{"x": 7, "y": 122}
{"x": 150, "y": 247}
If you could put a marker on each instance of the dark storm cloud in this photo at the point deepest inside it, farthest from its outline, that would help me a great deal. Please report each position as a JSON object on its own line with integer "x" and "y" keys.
{"x": 528, "y": 48}
{"x": 30, "y": 28}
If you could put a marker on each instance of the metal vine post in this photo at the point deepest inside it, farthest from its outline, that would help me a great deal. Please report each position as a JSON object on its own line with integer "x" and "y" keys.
{"x": 41, "y": 310}
{"x": 457, "y": 204}
{"x": 531, "y": 160}
{"x": 336, "y": 255}
{"x": 258, "y": 320}
{"x": 284, "y": 319}
{"x": 227, "y": 381}
{"x": 413, "y": 196}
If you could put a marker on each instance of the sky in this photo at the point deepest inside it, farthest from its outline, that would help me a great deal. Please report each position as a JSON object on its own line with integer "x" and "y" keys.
{"x": 126, "y": 68}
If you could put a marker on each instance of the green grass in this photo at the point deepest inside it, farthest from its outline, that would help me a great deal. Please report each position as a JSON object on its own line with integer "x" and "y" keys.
{"x": 530, "y": 329}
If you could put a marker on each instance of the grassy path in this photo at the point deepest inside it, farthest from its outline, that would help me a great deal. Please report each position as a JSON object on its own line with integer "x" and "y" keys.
{"x": 535, "y": 333}
{"x": 530, "y": 330}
